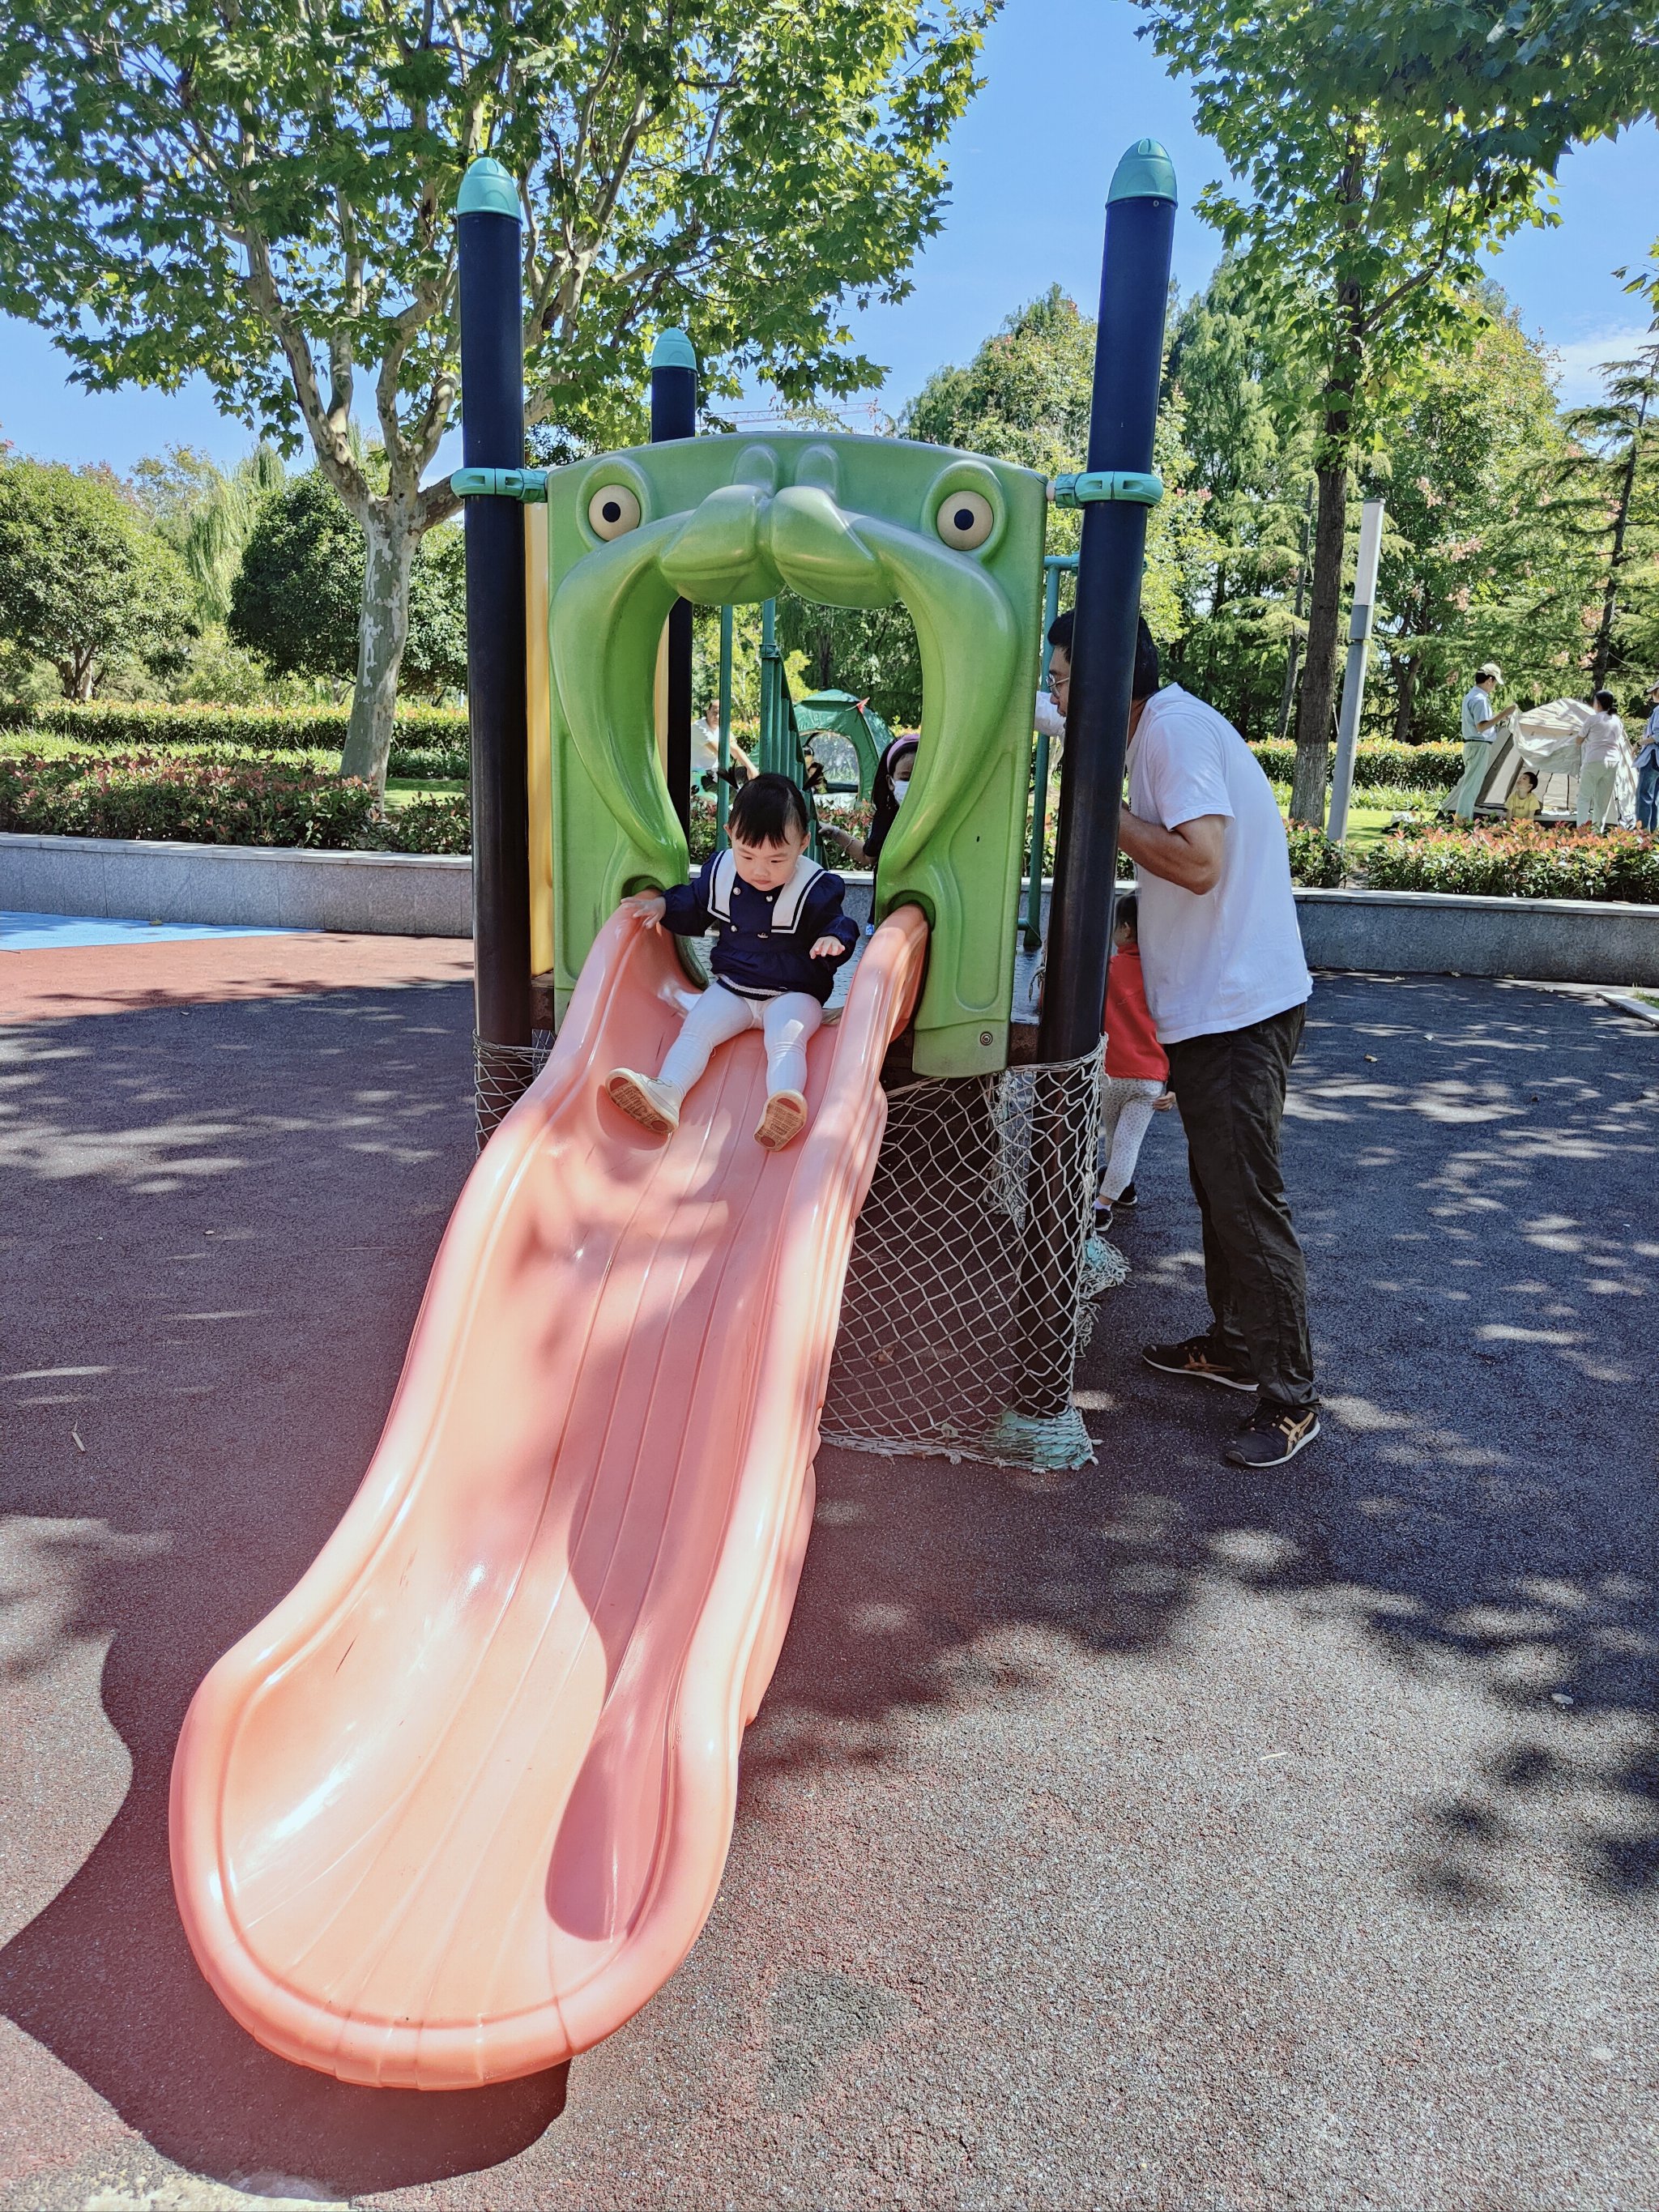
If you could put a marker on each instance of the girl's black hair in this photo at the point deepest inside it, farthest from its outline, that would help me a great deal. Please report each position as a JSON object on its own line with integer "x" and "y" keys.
{"x": 884, "y": 812}
{"x": 1606, "y": 701}
{"x": 767, "y": 809}
{"x": 1127, "y": 911}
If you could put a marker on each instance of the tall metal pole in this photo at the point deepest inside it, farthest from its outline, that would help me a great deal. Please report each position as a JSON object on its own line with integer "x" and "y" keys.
{"x": 1114, "y": 492}
{"x": 722, "y": 787}
{"x": 1053, "y": 564}
{"x": 492, "y": 436}
{"x": 772, "y": 749}
{"x": 674, "y": 415}
{"x": 1134, "y": 283}
{"x": 1353, "y": 680}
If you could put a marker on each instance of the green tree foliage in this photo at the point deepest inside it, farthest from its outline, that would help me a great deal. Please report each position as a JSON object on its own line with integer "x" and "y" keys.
{"x": 1610, "y": 480}
{"x": 1024, "y": 398}
{"x": 871, "y": 651}
{"x": 271, "y": 205}
{"x": 1369, "y": 176}
{"x": 86, "y": 583}
{"x": 206, "y": 515}
{"x": 1478, "y": 561}
{"x": 295, "y": 599}
{"x": 1244, "y": 395}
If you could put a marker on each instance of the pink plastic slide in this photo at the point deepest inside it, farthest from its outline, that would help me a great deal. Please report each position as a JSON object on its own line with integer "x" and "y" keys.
{"x": 460, "y": 1804}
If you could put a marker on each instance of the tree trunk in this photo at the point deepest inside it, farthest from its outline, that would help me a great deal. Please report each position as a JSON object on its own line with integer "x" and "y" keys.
{"x": 389, "y": 541}
{"x": 1287, "y": 697}
{"x": 1405, "y": 705}
{"x": 1313, "y": 721}
{"x": 1621, "y": 523}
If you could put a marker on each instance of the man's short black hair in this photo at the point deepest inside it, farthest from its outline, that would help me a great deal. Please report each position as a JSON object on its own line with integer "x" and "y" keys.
{"x": 767, "y": 809}
{"x": 1148, "y": 674}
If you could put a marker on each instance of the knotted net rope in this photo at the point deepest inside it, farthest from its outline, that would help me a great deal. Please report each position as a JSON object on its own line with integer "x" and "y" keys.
{"x": 502, "y": 1073}
{"x": 967, "y": 1295}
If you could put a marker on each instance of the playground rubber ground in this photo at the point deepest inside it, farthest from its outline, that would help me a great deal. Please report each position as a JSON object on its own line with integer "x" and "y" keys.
{"x": 1171, "y": 1838}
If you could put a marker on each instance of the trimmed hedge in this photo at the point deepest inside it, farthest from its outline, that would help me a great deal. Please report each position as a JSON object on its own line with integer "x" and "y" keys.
{"x": 1377, "y": 760}
{"x": 260, "y": 729}
{"x": 1315, "y": 863}
{"x": 1517, "y": 862}
{"x": 204, "y": 799}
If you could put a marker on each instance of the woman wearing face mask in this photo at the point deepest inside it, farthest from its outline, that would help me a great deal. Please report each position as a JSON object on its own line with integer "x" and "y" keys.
{"x": 893, "y": 772}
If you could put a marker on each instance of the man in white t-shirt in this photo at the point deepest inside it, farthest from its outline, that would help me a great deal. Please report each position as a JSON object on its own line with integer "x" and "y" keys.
{"x": 1479, "y": 725}
{"x": 1228, "y": 986}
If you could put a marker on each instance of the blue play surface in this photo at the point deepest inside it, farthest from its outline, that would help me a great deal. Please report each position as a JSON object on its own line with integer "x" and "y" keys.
{"x": 50, "y": 933}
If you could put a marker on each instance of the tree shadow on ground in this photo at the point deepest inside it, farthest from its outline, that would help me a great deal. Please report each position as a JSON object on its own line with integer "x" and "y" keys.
{"x": 221, "y": 1221}
{"x": 1473, "y": 1170}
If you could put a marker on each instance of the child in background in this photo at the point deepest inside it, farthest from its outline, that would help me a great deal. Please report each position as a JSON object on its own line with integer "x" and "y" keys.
{"x": 780, "y": 935}
{"x": 1137, "y": 1073}
{"x": 1523, "y": 804}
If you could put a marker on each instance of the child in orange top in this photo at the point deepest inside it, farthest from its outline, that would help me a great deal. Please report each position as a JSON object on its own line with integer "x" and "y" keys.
{"x": 1137, "y": 1073}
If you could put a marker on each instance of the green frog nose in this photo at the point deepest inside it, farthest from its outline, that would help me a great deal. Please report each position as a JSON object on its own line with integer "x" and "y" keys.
{"x": 815, "y": 549}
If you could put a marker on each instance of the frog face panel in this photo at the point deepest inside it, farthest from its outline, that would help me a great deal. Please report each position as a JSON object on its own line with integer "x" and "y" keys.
{"x": 855, "y": 522}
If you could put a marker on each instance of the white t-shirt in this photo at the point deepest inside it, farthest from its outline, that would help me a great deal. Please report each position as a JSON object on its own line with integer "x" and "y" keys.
{"x": 1477, "y": 709}
{"x": 705, "y": 748}
{"x": 1222, "y": 958}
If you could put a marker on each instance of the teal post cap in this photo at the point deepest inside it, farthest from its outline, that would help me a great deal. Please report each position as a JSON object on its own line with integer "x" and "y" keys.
{"x": 528, "y": 486}
{"x": 673, "y": 350}
{"x": 1145, "y": 172}
{"x": 488, "y": 188}
{"x": 1138, "y": 486}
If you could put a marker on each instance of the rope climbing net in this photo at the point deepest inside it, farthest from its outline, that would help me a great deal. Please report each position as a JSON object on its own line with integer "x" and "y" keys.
{"x": 967, "y": 1296}
{"x": 502, "y": 1073}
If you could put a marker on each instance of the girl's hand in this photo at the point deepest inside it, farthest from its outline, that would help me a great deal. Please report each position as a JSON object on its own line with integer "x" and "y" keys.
{"x": 648, "y": 907}
{"x": 1164, "y": 1105}
{"x": 827, "y": 948}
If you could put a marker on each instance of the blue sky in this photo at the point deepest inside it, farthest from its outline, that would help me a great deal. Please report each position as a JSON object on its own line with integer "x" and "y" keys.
{"x": 1068, "y": 86}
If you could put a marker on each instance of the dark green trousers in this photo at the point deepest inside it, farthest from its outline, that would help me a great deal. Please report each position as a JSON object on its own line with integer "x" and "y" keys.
{"x": 1231, "y": 1091}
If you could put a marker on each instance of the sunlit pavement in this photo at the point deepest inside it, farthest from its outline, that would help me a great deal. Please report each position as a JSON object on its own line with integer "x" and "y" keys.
{"x": 1175, "y": 1838}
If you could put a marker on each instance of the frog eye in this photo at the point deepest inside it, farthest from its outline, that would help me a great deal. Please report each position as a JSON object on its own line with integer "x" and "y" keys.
{"x": 965, "y": 519}
{"x": 614, "y": 510}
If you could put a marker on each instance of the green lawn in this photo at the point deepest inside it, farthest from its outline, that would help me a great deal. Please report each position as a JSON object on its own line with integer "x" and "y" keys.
{"x": 401, "y": 789}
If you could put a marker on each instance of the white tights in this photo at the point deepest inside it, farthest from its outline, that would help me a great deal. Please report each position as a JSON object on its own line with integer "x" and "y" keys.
{"x": 1126, "y": 1105}
{"x": 719, "y": 1015}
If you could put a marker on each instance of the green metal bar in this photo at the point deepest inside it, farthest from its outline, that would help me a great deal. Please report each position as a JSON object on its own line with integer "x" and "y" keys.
{"x": 722, "y": 788}
{"x": 772, "y": 734}
{"x": 1031, "y": 935}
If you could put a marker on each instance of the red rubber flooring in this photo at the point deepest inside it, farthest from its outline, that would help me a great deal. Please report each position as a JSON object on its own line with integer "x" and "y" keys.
{"x": 99, "y": 979}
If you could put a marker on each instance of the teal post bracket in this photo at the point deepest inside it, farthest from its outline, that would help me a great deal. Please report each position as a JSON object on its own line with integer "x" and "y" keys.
{"x": 1089, "y": 486}
{"x": 529, "y": 486}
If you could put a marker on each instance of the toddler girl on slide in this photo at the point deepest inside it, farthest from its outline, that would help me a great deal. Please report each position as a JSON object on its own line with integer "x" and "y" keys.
{"x": 780, "y": 936}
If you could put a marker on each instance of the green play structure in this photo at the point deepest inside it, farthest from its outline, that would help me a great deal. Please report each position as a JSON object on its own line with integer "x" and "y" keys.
{"x": 849, "y": 521}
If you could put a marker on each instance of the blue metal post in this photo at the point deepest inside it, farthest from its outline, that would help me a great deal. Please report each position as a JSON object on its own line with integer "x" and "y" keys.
{"x": 722, "y": 788}
{"x": 674, "y": 415}
{"x": 492, "y": 436}
{"x": 1140, "y": 209}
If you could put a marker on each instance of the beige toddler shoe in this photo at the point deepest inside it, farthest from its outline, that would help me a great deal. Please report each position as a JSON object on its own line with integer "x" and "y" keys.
{"x": 782, "y": 1122}
{"x": 655, "y": 1106}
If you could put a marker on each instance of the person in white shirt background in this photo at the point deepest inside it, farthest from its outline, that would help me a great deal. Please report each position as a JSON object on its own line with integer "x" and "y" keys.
{"x": 1600, "y": 749}
{"x": 706, "y": 748}
{"x": 1647, "y": 766}
{"x": 1227, "y": 987}
{"x": 1479, "y": 723}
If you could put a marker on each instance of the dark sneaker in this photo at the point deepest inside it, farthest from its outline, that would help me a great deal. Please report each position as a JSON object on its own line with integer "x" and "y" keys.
{"x": 1197, "y": 1356}
{"x": 1102, "y": 1217}
{"x": 1126, "y": 1201}
{"x": 1271, "y": 1435}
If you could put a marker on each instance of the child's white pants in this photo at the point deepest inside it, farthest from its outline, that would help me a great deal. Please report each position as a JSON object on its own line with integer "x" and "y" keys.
{"x": 1126, "y": 1114}
{"x": 719, "y": 1015}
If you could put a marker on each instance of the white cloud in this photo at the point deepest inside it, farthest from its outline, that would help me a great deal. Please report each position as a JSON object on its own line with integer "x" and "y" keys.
{"x": 1576, "y": 362}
